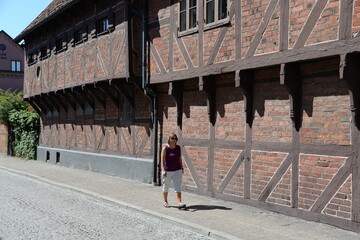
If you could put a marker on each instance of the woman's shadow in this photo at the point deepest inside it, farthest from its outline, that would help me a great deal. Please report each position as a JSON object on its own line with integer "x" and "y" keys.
{"x": 194, "y": 208}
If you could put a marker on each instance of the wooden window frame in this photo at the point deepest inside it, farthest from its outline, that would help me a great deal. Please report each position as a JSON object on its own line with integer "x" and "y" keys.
{"x": 188, "y": 30}
{"x": 217, "y": 22}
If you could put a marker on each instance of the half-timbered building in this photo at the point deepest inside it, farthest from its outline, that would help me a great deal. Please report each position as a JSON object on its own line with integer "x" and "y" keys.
{"x": 264, "y": 96}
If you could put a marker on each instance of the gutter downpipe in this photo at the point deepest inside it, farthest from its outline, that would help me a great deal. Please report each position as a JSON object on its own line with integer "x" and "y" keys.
{"x": 151, "y": 94}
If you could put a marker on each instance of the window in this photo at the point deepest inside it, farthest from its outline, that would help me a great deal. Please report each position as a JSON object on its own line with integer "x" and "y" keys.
{"x": 60, "y": 45}
{"x": 187, "y": 15}
{"x": 216, "y": 11}
{"x": 103, "y": 25}
{"x": 80, "y": 35}
{"x": 16, "y": 66}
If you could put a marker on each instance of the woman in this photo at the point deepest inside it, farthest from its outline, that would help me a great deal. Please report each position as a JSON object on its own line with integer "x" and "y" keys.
{"x": 172, "y": 170}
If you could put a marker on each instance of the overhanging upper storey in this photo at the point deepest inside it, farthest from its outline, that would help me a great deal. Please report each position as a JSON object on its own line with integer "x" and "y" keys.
{"x": 194, "y": 38}
{"x": 75, "y": 43}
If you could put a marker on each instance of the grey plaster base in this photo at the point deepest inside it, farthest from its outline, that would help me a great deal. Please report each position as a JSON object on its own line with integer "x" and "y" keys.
{"x": 138, "y": 169}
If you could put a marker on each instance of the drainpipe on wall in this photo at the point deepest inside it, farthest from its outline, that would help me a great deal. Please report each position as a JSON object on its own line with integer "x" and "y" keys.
{"x": 151, "y": 94}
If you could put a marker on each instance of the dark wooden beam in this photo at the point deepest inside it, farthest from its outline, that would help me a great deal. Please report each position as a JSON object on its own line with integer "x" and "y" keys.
{"x": 244, "y": 80}
{"x": 350, "y": 72}
{"x": 43, "y": 100}
{"x": 290, "y": 78}
{"x": 176, "y": 91}
{"x": 207, "y": 84}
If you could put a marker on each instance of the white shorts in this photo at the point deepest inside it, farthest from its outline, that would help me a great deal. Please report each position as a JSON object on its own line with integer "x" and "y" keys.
{"x": 176, "y": 177}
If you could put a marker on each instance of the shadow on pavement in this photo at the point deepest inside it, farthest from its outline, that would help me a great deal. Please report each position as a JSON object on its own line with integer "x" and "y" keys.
{"x": 194, "y": 208}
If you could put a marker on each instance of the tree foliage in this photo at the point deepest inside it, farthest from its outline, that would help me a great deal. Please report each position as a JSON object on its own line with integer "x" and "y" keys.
{"x": 18, "y": 115}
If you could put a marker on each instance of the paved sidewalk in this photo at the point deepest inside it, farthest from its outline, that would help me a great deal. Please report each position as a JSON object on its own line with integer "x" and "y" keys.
{"x": 216, "y": 218}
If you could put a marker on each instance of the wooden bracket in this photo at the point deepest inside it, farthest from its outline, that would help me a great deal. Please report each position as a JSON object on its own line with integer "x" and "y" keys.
{"x": 208, "y": 86}
{"x": 107, "y": 92}
{"x": 57, "y": 104}
{"x": 98, "y": 98}
{"x": 176, "y": 91}
{"x": 244, "y": 80}
{"x": 68, "y": 100}
{"x": 122, "y": 90}
{"x": 349, "y": 71}
{"x": 45, "y": 102}
{"x": 59, "y": 100}
{"x": 37, "y": 108}
{"x": 77, "y": 99}
{"x": 290, "y": 78}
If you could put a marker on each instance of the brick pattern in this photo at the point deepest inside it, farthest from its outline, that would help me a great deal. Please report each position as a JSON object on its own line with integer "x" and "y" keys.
{"x": 236, "y": 184}
{"x": 340, "y": 204}
{"x": 227, "y": 49}
{"x": 191, "y": 45}
{"x": 195, "y": 119}
{"x": 271, "y": 121}
{"x": 264, "y": 165}
{"x": 199, "y": 160}
{"x": 223, "y": 161}
{"x": 327, "y": 27}
{"x": 316, "y": 172}
{"x": 282, "y": 193}
{"x": 326, "y": 107}
{"x": 356, "y": 18}
{"x": 251, "y": 17}
{"x": 230, "y": 109}
{"x": 299, "y": 13}
{"x": 210, "y": 37}
{"x": 270, "y": 41}
{"x": 3, "y": 138}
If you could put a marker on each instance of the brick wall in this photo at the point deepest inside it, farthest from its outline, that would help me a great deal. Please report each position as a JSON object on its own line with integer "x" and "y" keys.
{"x": 3, "y": 139}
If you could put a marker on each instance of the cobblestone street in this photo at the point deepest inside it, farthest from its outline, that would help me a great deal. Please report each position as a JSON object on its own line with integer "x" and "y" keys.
{"x": 31, "y": 209}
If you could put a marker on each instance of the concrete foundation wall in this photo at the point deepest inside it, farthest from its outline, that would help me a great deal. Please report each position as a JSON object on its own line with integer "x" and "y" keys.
{"x": 124, "y": 167}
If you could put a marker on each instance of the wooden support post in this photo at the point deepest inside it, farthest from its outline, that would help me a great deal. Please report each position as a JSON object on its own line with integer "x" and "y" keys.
{"x": 208, "y": 86}
{"x": 53, "y": 102}
{"x": 290, "y": 78}
{"x": 244, "y": 80}
{"x": 176, "y": 91}
{"x": 349, "y": 71}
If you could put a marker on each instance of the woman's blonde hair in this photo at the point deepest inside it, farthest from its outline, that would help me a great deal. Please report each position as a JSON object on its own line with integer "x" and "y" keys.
{"x": 173, "y": 135}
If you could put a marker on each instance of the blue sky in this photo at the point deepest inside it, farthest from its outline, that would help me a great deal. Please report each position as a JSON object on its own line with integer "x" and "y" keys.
{"x": 16, "y": 15}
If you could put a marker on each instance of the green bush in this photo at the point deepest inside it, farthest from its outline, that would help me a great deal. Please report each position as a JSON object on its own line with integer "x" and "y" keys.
{"x": 11, "y": 101}
{"x": 24, "y": 122}
{"x": 25, "y": 125}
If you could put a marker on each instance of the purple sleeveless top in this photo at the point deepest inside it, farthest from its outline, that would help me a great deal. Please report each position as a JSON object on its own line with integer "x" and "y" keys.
{"x": 172, "y": 159}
